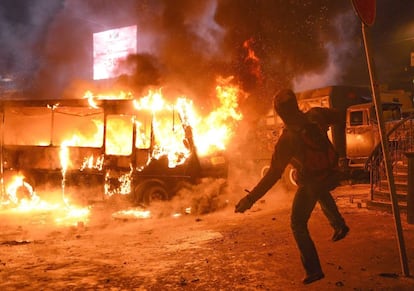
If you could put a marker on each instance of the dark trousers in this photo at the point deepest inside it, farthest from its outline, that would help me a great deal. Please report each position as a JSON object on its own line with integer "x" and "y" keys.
{"x": 303, "y": 204}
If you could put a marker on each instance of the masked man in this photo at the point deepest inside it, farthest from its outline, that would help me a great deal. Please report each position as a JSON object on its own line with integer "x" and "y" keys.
{"x": 305, "y": 145}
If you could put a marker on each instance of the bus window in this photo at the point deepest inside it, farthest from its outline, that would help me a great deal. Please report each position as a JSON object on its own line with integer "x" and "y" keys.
{"x": 168, "y": 132}
{"x": 119, "y": 130}
{"x": 27, "y": 126}
{"x": 78, "y": 126}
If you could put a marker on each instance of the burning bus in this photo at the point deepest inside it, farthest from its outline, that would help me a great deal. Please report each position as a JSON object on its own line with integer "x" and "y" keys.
{"x": 144, "y": 148}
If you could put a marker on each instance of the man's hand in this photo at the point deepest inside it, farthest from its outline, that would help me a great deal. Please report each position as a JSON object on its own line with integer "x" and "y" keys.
{"x": 244, "y": 204}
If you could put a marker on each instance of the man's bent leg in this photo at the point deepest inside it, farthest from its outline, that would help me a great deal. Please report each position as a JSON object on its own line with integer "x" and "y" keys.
{"x": 330, "y": 209}
{"x": 303, "y": 205}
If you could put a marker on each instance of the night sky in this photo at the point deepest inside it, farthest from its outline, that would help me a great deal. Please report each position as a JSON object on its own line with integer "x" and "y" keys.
{"x": 47, "y": 44}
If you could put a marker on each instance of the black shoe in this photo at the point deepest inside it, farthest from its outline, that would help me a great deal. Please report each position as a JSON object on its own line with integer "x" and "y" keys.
{"x": 340, "y": 233}
{"x": 312, "y": 278}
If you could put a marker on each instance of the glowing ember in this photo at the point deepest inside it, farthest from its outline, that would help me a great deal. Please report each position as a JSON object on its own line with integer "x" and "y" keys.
{"x": 253, "y": 60}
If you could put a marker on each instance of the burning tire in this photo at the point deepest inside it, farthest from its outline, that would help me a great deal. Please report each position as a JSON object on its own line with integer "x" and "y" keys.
{"x": 19, "y": 190}
{"x": 149, "y": 192}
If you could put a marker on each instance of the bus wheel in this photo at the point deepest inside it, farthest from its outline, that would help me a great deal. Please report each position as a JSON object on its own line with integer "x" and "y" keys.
{"x": 147, "y": 193}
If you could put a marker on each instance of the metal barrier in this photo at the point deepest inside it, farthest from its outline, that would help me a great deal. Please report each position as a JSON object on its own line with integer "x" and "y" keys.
{"x": 401, "y": 140}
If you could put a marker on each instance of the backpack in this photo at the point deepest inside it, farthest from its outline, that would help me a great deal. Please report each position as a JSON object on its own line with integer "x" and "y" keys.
{"x": 318, "y": 160}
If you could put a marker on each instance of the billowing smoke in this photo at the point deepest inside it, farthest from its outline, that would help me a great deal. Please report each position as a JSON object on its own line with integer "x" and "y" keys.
{"x": 186, "y": 44}
{"x": 344, "y": 53}
{"x": 23, "y": 29}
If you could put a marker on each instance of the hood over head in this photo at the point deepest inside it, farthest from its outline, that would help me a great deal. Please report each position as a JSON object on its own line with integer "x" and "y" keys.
{"x": 286, "y": 106}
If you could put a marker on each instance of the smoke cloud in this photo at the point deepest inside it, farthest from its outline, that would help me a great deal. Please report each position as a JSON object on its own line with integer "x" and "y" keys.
{"x": 23, "y": 29}
{"x": 184, "y": 44}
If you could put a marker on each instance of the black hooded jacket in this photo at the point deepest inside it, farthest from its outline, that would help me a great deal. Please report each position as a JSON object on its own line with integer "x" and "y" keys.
{"x": 291, "y": 148}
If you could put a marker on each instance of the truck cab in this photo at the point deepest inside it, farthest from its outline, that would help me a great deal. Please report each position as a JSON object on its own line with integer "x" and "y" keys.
{"x": 362, "y": 134}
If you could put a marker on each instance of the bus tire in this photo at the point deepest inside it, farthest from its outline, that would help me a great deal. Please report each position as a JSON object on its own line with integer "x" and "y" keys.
{"x": 149, "y": 192}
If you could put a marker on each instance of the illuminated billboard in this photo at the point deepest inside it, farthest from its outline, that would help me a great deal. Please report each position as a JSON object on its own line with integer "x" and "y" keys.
{"x": 109, "y": 48}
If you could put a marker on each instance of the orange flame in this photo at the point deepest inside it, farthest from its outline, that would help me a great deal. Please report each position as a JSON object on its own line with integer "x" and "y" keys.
{"x": 213, "y": 132}
{"x": 253, "y": 59}
{"x": 168, "y": 135}
{"x": 125, "y": 183}
{"x": 92, "y": 99}
{"x": 93, "y": 163}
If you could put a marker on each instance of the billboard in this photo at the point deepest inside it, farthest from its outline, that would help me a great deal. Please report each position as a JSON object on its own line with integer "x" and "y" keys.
{"x": 109, "y": 48}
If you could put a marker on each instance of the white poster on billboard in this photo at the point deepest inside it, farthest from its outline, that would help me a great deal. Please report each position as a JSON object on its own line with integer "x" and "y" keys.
{"x": 109, "y": 48}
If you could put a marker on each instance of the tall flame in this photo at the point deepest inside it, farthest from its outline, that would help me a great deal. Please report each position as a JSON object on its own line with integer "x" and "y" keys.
{"x": 168, "y": 135}
{"x": 169, "y": 122}
{"x": 215, "y": 130}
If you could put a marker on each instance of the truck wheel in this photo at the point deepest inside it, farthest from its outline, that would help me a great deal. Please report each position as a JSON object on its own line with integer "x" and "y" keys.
{"x": 147, "y": 193}
{"x": 288, "y": 178}
{"x": 264, "y": 170}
